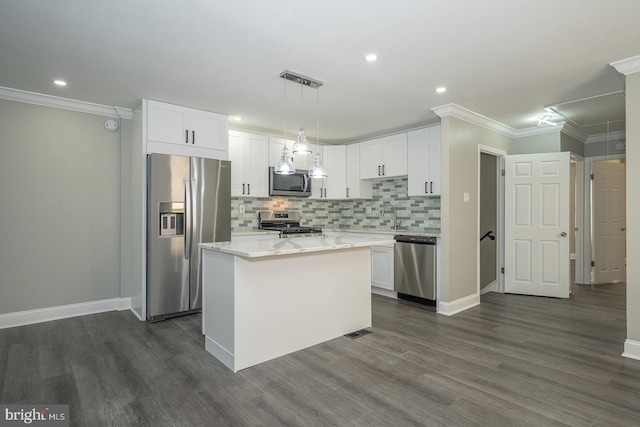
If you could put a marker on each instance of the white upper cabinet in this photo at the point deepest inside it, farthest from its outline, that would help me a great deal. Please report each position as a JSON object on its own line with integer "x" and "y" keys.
{"x": 384, "y": 157}
{"x": 424, "y": 162}
{"x": 356, "y": 187}
{"x": 334, "y": 158}
{"x": 249, "y": 164}
{"x": 192, "y": 132}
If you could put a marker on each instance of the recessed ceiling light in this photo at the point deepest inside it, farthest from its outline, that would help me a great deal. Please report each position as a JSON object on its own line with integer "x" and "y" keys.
{"x": 441, "y": 89}
{"x": 60, "y": 82}
{"x": 371, "y": 57}
{"x": 236, "y": 118}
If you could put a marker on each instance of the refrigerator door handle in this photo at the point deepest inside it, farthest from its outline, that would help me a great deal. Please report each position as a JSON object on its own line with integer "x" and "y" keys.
{"x": 188, "y": 231}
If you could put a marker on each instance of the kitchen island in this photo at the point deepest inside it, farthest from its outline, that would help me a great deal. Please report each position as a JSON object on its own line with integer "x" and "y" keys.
{"x": 266, "y": 298}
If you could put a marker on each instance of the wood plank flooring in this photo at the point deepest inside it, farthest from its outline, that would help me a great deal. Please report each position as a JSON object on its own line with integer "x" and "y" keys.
{"x": 512, "y": 361}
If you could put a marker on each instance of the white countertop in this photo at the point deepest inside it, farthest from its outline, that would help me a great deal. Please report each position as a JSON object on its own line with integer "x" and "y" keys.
{"x": 295, "y": 245}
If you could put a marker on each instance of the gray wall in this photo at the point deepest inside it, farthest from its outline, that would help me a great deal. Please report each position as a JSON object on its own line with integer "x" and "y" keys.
{"x": 60, "y": 210}
{"x": 595, "y": 149}
{"x": 459, "y": 220}
{"x": 569, "y": 143}
{"x": 545, "y": 143}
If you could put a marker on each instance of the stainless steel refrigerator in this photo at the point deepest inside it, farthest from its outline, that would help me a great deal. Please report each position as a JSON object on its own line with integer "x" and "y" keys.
{"x": 188, "y": 202}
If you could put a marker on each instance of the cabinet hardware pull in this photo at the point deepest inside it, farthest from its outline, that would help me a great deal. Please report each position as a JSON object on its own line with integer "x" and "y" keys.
{"x": 378, "y": 170}
{"x": 425, "y": 188}
{"x": 347, "y": 191}
{"x": 243, "y": 188}
{"x": 383, "y": 174}
{"x": 431, "y": 187}
{"x": 248, "y": 188}
{"x": 186, "y": 136}
{"x": 193, "y": 136}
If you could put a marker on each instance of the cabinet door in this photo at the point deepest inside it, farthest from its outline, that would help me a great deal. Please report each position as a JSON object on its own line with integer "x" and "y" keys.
{"x": 424, "y": 162}
{"x": 208, "y": 130}
{"x": 335, "y": 160}
{"x": 257, "y": 166}
{"x": 167, "y": 123}
{"x": 370, "y": 166}
{"x": 382, "y": 267}
{"x": 237, "y": 147}
{"x": 356, "y": 188}
{"x": 394, "y": 155}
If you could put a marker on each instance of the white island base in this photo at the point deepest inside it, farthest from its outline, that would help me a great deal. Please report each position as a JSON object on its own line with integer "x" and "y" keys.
{"x": 259, "y": 308}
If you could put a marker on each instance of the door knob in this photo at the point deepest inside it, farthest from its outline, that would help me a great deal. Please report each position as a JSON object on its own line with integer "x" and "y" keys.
{"x": 563, "y": 234}
{"x": 623, "y": 228}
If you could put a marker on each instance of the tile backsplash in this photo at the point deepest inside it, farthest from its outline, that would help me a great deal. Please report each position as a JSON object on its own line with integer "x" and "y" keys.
{"x": 413, "y": 213}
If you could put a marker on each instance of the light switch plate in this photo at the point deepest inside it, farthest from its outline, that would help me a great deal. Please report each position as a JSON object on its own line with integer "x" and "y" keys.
{"x": 241, "y": 209}
{"x": 467, "y": 198}
{"x": 368, "y": 209}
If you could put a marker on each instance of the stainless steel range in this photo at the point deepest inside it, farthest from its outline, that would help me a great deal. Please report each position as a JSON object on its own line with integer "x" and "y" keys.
{"x": 287, "y": 223}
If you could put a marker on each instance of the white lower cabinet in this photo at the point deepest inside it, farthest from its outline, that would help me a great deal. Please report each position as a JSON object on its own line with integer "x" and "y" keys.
{"x": 382, "y": 270}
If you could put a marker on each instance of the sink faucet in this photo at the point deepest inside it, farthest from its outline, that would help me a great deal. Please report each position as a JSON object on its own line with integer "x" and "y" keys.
{"x": 395, "y": 218}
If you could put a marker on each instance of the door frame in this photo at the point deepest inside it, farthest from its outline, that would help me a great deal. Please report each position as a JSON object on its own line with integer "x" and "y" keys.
{"x": 500, "y": 154}
{"x": 586, "y": 275}
{"x": 579, "y": 217}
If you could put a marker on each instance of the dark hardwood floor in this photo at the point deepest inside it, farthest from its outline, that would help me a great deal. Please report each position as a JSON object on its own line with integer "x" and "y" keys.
{"x": 512, "y": 361}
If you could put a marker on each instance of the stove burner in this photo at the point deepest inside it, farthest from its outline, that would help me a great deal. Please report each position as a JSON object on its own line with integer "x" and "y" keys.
{"x": 287, "y": 223}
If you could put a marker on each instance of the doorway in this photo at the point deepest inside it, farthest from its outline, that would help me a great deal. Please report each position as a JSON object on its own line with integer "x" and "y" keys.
{"x": 490, "y": 219}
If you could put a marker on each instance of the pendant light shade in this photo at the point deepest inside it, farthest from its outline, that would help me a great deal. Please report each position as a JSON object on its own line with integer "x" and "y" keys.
{"x": 285, "y": 165}
{"x": 317, "y": 170}
{"x": 302, "y": 146}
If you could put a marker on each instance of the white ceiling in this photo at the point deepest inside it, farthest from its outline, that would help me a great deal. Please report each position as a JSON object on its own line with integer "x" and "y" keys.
{"x": 504, "y": 59}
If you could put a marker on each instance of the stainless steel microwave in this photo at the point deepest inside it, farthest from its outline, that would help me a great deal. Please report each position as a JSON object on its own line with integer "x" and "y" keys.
{"x": 297, "y": 184}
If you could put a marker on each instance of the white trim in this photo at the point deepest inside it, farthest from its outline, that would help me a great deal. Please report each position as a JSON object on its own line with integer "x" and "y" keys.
{"x": 64, "y": 103}
{"x": 491, "y": 287}
{"x": 627, "y": 66}
{"x": 631, "y": 349}
{"x": 384, "y": 292}
{"x": 453, "y": 307}
{"x": 618, "y": 135}
{"x": 29, "y": 317}
{"x": 472, "y": 117}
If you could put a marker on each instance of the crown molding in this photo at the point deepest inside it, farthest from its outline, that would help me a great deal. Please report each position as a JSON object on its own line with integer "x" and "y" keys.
{"x": 472, "y": 117}
{"x": 64, "y": 103}
{"x": 627, "y": 66}
{"x": 619, "y": 135}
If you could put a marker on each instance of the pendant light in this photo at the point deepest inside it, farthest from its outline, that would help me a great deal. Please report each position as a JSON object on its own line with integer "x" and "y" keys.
{"x": 285, "y": 165}
{"x": 302, "y": 146}
{"x": 317, "y": 170}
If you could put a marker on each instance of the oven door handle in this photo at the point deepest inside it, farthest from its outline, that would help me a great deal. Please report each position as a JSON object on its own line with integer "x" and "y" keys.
{"x": 305, "y": 180}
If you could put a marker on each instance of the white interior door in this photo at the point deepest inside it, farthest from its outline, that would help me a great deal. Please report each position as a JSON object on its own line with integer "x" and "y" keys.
{"x": 537, "y": 224}
{"x": 609, "y": 221}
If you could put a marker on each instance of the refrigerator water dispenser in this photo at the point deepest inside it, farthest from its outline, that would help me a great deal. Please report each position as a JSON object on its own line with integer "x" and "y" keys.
{"x": 171, "y": 219}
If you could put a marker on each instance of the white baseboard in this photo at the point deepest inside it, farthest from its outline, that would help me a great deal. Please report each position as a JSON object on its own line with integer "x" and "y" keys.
{"x": 384, "y": 292}
{"x": 632, "y": 349}
{"x": 453, "y": 307}
{"x": 491, "y": 287}
{"x": 29, "y": 317}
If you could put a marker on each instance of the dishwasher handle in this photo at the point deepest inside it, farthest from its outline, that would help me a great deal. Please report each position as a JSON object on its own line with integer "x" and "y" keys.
{"x": 419, "y": 240}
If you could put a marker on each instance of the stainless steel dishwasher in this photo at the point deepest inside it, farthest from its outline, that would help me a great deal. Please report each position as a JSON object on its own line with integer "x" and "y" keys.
{"x": 414, "y": 265}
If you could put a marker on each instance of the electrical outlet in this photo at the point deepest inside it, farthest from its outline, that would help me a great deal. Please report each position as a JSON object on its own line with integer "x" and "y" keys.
{"x": 368, "y": 209}
{"x": 241, "y": 209}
